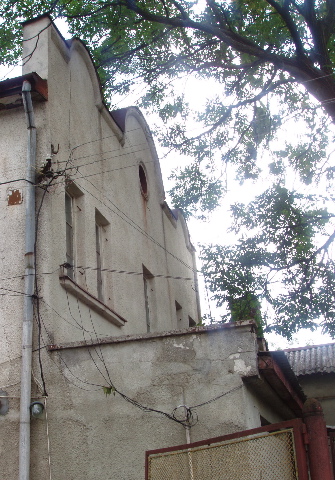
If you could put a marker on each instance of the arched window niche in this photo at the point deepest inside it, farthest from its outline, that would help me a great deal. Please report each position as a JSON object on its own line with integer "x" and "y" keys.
{"x": 143, "y": 181}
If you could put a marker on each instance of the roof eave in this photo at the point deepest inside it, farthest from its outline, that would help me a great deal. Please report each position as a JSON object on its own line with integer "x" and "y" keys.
{"x": 11, "y": 90}
{"x": 276, "y": 370}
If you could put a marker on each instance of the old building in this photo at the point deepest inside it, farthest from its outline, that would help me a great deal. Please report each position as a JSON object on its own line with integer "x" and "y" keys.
{"x": 117, "y": 359}
{"x": 314, "y": 366}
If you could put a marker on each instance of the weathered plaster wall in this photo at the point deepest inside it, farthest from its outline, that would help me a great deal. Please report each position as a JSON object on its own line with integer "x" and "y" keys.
{"x": 12, "y": 248}
{"x": 322, "y": 387}
{"x": 257, "y": 405}
{"x": 12, "y": 223}
{"x": 93, "y": 436}
{"x": 103, "y": 162}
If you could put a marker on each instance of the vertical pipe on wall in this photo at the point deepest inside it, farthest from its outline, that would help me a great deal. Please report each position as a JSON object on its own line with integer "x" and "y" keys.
{"x": 27, "y": 327}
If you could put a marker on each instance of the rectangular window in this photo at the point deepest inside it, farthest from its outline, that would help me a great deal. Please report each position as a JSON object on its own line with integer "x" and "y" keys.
{"x": 98, "y": 257}
{"x": 74, "y": 226}
{"x": 69, "y": 234}
{"x": 148, "y": 296}
{"x": 146, "y": 301}
{"x": 101, "y": 237}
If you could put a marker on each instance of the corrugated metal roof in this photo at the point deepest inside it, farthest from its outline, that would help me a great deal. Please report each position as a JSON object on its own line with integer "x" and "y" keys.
{"x": 312, "y": 359}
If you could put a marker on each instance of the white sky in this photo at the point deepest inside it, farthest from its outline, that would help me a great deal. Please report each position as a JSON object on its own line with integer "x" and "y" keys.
{"x": 213, "y": 230}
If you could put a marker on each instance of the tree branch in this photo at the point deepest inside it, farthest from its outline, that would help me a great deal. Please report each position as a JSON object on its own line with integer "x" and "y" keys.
{"x": 300, "y": 68}
{"x": 291, "y": 26}
{"x": 131, "y": 52}
{"x": 265, "y": 91}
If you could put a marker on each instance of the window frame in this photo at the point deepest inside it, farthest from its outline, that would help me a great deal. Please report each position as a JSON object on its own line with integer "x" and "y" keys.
{"x": 148, "y": 298}
{"x": 73, "y": 203}
{"x": 69, "y": 235}
{"x": 101, "y": 226}
{"x": 143, "y": 180}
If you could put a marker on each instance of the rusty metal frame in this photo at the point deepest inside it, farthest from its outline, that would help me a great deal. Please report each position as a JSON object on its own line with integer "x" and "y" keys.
{"x": 299, "y": 438}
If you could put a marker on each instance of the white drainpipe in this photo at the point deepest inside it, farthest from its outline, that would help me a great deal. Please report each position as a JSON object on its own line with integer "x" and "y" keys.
{"x": 27, "y": 328}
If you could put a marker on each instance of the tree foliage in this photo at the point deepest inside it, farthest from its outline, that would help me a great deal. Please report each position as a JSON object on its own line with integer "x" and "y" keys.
{"x": 271, "y": 65}
{"x": 283, "y": 261}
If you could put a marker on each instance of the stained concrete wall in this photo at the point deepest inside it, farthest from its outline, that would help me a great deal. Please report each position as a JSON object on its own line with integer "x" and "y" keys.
{"x": 93, "y": 436}
{"x": 95, "y": 156}
{"x": 100, "y": 160}
{"x": 87, "y": 435}
{"x": 322, "y": 387}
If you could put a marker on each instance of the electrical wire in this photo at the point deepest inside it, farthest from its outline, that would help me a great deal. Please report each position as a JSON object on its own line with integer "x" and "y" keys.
{"x": 39, "y": 321}
{"x": 37, "y": 301}
{"x": 123, "y": 216}
{"x": 100, "y": 354}
{"x": 145, "y": 130}
{"x": 110, "y": 386}
{"x": 110, "y": 270}
{"x": 76, "y": 325}
{"x": 216, "y": 398}
{"x": 67, "y": 367}
{"x": 84, "y": 267}
{"x": 190, "y": 421}
{"x": 17, "y": 180}
{"x": 97, "y": 161}
{"x": 15, "y": 291}
{"x": 107, "y": 380}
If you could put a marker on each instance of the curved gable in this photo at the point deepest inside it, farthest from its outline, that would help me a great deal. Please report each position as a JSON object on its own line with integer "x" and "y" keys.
{"x": 123, "y": 117}
{"x": 76, "y": 45}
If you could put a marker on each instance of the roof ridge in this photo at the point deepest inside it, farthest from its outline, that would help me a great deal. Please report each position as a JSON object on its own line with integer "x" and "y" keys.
{"x": 312, "y": 359}
{"x": 306, "y": 347}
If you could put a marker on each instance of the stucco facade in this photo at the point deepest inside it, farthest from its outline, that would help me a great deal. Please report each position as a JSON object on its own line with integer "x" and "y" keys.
{"x": 104, "y": 162}
{"x": 91, "y": 435}
{"x": 115, "y": 299}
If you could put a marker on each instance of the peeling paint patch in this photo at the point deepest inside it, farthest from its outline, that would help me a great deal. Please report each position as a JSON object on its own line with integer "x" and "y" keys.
{"x": 180, "y": 345}
{"x": 14, "y": 197}
{"x": 234, "y": 355}
{"x": 240, "y": 367}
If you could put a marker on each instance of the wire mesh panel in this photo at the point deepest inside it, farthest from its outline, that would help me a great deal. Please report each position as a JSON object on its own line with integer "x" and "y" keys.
{"x": 268, "y": 456}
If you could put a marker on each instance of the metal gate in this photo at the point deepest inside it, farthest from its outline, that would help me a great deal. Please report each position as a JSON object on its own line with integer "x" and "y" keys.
{"x": 274, "y": 452}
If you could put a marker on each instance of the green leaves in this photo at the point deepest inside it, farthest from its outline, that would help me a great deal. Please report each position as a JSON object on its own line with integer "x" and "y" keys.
{"x": 195, "y": 191}
{"x": 282, "y": 263}
{"x": 267, "y": 68}
{"x": 108, "y": 390}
